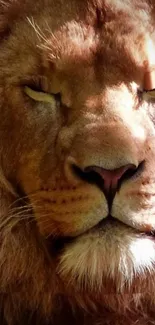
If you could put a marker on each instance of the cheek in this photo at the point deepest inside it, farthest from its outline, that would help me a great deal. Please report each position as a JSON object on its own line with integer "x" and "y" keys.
{"x": 37, "y": 161}
{"x": 135, "y": 206}
{"x": 69, "y": 211}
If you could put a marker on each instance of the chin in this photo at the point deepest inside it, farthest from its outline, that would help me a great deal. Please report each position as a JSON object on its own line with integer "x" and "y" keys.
{"x": 109, "y": 272}
{"x": 110, "y": 259}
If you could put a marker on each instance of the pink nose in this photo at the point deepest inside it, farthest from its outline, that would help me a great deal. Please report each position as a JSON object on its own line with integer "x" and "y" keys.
{"x": 112, "y": 177}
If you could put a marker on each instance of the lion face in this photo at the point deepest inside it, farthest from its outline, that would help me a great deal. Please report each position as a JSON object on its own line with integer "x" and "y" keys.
{"x": 78, "y": 136}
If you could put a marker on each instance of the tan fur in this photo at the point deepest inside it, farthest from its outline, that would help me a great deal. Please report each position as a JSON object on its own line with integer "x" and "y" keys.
{"x": 94, "y": 53}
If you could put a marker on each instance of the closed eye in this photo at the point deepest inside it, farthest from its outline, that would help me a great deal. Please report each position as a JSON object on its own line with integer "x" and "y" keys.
{"x": 148, "y": 95}
{"x": 41, "y": 96}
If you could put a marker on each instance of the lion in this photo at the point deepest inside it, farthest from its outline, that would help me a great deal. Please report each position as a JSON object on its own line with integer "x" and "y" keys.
{"x": 77, "y": 171}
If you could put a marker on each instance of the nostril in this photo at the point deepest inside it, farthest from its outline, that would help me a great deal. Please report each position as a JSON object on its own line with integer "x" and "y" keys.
{"x": 133, "y": 173}
{"x": 108, "y": 180}
{"x": 113, "y": 178}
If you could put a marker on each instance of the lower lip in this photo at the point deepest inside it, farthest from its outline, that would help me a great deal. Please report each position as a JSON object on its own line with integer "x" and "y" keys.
{"x": 56, "y": 245}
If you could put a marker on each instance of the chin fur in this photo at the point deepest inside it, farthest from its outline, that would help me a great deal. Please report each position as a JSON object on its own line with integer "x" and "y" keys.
{"x": 117, "y": 253}
{"x": 111, "y": 272}
{"x": 79, "y": 286}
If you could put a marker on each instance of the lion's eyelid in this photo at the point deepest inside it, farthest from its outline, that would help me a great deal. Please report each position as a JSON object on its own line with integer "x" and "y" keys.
{"x": 39, "y": 96}
{"x": 148, "y": 94}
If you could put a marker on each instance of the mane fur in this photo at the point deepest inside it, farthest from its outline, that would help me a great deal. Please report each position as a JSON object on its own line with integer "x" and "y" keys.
{"x": 31, "y": 291}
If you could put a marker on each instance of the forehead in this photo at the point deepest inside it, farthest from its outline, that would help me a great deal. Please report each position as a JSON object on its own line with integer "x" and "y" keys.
{"x": 109, "y": 39}
{"x": 82, "y": 54}
{"x": 96, "y": 39}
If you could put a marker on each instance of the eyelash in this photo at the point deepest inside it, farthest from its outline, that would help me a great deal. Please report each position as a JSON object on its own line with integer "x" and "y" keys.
{"x": 143, "y": 95}
{"x": 40, "y": 84}
{"x": 36, "y": 85}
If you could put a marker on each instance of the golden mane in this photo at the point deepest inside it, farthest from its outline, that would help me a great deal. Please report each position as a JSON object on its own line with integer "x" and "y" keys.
{"x": 77, "y": 244}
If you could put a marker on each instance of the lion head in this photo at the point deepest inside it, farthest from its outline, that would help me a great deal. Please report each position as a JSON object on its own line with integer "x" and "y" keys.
{"x": 77, "y": 105}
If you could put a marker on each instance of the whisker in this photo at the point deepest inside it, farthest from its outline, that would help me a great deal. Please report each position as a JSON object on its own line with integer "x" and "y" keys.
{"x": 54, "y": 233}
{"x": 48, "y": 29}
{"x": 37, "y": 29}
{"x": 39, "y": 217}
{"x": 20, "y": 211}
{"x": 46, "y": 47}
{"x": 5, "y": 222}
{"x": 21, "y": 207}
{"x": 22, "y": 199}
{"x": 19, "y": 215}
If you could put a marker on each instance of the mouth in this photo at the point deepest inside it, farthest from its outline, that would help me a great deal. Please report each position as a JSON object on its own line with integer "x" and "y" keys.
{"x": 57, "y": 245}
